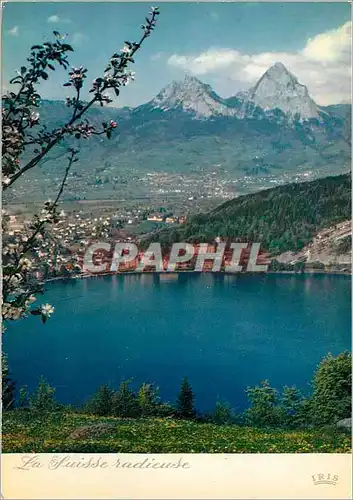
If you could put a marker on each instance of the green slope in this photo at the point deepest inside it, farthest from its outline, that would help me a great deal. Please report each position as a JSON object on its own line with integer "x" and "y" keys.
{"x": 283, "y": 218}
{"x": 24, "y": 432}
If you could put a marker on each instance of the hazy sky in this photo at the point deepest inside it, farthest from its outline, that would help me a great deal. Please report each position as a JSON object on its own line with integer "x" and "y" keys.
{"x": 228, "y": 45}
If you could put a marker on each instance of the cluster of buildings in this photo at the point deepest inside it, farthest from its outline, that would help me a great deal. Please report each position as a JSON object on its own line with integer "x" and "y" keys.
{"x": 61, "y": 249}
{"x": 55, "y": 253}
{"x": 61, "y": 252}
{"x": 168, "y": 219}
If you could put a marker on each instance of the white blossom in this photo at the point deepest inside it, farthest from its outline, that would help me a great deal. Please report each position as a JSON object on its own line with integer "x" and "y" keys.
{"x": 30, "y": 300}
{"x": 34, "y": 116}
{"x": 26, "y": 264}
{"x": 47, "y": 309}
{"x": 6, "y": 180}
{"x": 11, "y": 312}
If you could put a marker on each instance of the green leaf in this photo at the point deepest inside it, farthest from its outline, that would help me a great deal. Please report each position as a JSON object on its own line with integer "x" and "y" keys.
{"x": 66, "y": 46}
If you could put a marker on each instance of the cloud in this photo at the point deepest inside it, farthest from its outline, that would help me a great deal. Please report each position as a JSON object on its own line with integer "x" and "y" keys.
{"x": 323, "y": 65}
{"x": 334, "y": 45}
{"x": 209, "y": 61}
{"x": 13, "y": 31}
{"x": 55, "y": 19}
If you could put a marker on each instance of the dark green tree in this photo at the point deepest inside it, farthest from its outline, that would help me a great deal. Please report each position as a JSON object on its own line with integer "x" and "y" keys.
{"x": 102, "y": 402}
{"x": 295, "y": 408}
{"x": 7, "y": 385}
{"x": 185, "y": 401}
{"x": 125, "y": 402}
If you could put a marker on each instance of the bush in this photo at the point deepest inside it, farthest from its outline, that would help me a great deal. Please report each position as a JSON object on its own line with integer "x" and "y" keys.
{"x": 165, "y": 410}
{"x": 332, "y": 389}
{"x": 299, "y": 266}
{"x": 125, "y": 402}
{"x": 43, "y": 400}
{"x": 317, "y": 265}
{"x": 23, "y": 397}
{"x": 264, "y": 410}
{"x": 223, "y": 414}
{"x": 185, "y": 401}
{"x": 102, "y": 402}
{"x": 295, "y": 408}
{"x": 344, "y": 245}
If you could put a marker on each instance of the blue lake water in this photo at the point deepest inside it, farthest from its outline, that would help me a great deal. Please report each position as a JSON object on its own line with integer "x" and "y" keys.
{"x": 224, "y": 332}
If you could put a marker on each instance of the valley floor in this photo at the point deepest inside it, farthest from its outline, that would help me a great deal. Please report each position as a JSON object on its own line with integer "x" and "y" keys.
{"x": 68, "y": 432}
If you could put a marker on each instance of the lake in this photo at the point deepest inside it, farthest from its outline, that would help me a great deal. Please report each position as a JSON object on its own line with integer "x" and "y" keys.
{"x": 225, "y": 332}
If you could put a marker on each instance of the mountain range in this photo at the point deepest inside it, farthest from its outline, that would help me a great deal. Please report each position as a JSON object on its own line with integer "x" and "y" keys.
{"x": 278, "y": 89}
{"x": 273, "y": 129}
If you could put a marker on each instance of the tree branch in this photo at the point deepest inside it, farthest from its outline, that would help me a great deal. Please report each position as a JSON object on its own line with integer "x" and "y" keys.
{"x": 76, "y": 116}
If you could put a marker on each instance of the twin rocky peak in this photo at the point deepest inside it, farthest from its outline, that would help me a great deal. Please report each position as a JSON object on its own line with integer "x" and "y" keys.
{"x": 278, "y": 89}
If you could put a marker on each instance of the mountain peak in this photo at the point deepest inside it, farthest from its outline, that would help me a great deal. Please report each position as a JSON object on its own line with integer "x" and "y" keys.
{"x": 278, "y": 67}
{"x": 192, "y": 79}
{"x": 191, "y": 95}
{"x": 280, "y": 73}
{"x": 278, "y": 88}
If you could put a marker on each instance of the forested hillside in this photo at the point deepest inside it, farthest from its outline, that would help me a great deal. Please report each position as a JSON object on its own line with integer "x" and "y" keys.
{"x": 283, "y": 218}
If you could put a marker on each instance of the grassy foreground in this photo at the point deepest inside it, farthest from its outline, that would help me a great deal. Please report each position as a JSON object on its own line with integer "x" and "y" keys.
{"x": 28, "y": 432}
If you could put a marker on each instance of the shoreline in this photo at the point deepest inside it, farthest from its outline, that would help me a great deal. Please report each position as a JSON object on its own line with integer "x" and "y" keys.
{"x": 165, "y": 273}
